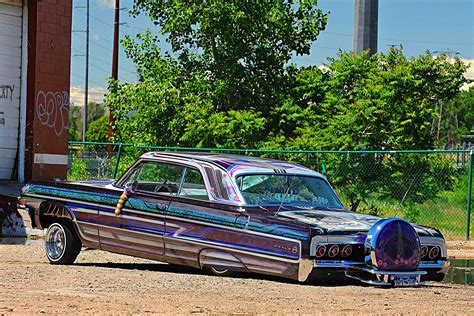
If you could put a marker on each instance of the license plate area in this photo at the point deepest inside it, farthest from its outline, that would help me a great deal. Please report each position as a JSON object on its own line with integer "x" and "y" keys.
{"x": 405, "y": 280}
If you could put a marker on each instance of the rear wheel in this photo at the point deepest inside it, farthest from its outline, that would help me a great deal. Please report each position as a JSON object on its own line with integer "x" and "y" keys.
{"x": 62, "y": 243}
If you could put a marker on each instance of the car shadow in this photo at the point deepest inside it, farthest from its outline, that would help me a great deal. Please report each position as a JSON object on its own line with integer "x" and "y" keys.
{"x": 179, "y": 269}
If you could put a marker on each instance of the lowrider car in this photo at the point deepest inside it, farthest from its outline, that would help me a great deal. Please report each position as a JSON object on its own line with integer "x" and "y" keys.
{"x": 231, "y": 213}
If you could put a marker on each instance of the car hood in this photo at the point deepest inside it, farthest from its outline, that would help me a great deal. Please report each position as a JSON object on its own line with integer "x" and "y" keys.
{"x": 342, "y": 220}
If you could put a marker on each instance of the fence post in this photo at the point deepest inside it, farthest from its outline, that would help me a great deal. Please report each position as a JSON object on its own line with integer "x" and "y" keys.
{"x": 117, "y": 160}
{"x": 469, "y": 191}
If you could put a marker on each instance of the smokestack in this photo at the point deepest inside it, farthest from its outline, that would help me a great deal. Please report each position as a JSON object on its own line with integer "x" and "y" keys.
{"x": 365, "y": 26}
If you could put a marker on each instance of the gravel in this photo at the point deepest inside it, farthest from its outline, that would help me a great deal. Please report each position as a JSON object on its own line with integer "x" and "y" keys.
{"x": 104, "y": 283}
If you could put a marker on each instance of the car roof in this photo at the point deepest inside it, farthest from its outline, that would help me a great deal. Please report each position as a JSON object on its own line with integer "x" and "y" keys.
{"x": 237, "y": 164}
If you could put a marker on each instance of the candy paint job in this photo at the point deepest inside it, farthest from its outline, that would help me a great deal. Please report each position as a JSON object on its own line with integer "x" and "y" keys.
{"x": 227, "y": 234}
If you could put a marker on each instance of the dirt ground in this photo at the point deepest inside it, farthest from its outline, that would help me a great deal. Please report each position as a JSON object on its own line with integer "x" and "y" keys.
{"x": 101, "y": 282}
{"x": 461, "y": 249}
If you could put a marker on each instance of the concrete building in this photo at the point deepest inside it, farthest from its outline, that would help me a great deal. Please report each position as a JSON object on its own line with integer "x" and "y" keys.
{"x": 35, "y": 53}
{"x": 365, "y": 26}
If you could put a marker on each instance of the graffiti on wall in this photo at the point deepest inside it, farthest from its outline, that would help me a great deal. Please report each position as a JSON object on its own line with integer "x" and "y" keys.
{"x": 6, "y": 92}
{"x": 52, "y": 109}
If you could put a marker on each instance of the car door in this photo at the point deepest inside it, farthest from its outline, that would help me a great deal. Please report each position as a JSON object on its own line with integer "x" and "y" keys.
{"x": 194, "y": 222}
{"x": 139, "y": 228}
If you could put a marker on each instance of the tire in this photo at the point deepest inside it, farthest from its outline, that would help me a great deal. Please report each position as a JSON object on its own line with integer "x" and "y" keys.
{"x": 62, "y": 244}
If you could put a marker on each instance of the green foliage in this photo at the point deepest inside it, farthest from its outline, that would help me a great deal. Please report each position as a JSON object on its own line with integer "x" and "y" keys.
{"x": 455, "y": 119}
{"x": 76, "y": 120}
{"x": 98, "y": 130}
{"x": 242, "y": 47}
{"x": 227, "y": 82}
{"x": 78, "y": 170}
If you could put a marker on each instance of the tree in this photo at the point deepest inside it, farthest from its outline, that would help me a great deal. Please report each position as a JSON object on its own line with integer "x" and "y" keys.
{"x": 98, "y": 130}
{"x": 382, "y": 101}
{"x": 76, "y": 118}
{"x": 243, "y": 47}
{"x": 455, "y": 119}
{"x": 227, "y": 82}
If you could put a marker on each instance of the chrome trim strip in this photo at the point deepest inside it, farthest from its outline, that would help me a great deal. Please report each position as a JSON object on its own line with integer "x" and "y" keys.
{"x": 335, "y": 264}
{"x": 431, "y": 265}
{"x": 375, "y": 271}
{"x": 84, "y": 210}
{"x": 345, "y": 264}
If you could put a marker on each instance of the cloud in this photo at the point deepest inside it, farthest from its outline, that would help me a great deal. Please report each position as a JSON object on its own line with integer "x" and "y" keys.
{"x": 96, "y": 94}
{"x": 106, "y": 4}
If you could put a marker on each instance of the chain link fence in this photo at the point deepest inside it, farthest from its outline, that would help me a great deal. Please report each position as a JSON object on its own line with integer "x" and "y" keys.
{"x": 425, "y": 187}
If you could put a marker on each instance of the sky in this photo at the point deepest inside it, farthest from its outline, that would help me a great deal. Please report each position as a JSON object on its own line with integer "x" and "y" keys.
{"x": 417, "y": 25}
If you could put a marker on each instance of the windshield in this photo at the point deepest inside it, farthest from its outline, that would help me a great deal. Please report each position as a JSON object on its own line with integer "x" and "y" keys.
{"x": 276, "y": 189}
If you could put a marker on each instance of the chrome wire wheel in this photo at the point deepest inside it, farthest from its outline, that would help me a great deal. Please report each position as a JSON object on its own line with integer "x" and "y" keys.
{"x": 55, "y": 242}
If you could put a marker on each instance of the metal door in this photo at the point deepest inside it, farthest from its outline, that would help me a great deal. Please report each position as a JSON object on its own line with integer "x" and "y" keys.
{"x": 10, "y": 78}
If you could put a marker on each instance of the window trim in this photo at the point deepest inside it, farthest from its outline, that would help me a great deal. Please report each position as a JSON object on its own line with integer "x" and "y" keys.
{"x": 120, "y": 183}
{"x": 182, "y": 181}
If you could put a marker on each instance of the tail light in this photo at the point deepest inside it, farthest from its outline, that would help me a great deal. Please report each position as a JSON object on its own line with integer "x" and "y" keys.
{"x": 423, "y": 251}
{"x": 434, "y": 252}
{"x": 20, "y": 201}
{"x": 333, "y": 251}
{"x": 320, "y": 251}
{"x": 346, "y": 251}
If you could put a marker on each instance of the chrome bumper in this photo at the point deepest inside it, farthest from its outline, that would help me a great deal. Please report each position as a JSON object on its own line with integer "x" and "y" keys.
{"x": 374, "y": 276}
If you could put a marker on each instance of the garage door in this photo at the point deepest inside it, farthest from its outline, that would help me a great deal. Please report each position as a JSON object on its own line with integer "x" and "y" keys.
{"x": 10, "y": 73}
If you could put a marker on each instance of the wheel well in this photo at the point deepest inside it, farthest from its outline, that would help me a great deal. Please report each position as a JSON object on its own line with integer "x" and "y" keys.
{"x": 49, "y": 211}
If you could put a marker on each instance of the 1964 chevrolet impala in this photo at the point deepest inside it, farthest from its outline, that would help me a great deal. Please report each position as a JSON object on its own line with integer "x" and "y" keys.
{"x": 231, "y": 213}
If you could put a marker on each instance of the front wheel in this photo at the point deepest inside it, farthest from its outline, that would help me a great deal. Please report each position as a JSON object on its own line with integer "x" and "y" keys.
{"x": 62, "y": 243}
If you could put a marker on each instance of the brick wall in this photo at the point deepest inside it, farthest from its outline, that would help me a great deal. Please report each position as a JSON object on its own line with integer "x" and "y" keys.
{"x": 49, "y": 61}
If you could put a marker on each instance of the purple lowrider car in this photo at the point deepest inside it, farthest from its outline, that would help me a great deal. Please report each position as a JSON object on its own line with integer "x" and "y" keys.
{"x": 232, "y": 213}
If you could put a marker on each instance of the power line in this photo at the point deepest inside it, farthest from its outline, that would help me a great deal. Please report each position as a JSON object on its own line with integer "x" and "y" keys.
{"x": 402, "y": 40}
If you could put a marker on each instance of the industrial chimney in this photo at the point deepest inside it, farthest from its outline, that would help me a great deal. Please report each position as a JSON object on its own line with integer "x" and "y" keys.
{"x": 365, "y": 26}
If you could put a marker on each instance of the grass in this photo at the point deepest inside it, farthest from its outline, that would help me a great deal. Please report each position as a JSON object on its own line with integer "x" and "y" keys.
{"x": 447, "y": 211}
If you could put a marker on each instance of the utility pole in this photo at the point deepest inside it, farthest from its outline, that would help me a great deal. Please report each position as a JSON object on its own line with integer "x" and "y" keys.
{"x": 365, "y": 26}
{"x": 114, "y": 62}
{"x": 86, "y": 96}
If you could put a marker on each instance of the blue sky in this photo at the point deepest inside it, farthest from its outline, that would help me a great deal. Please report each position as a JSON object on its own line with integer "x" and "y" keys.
{"x": 418, "y": 25}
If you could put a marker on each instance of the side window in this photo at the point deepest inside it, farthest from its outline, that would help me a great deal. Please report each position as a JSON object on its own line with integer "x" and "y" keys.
{"x": 193, "y": 185}
{"x": 159, "y": 177}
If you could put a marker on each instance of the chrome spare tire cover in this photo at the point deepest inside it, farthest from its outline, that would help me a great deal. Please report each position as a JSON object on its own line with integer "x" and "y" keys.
{"x": 393, "y": 244}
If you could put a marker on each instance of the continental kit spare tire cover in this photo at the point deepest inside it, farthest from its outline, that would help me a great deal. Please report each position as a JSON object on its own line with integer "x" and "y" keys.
{"x": 393, "y": 244}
